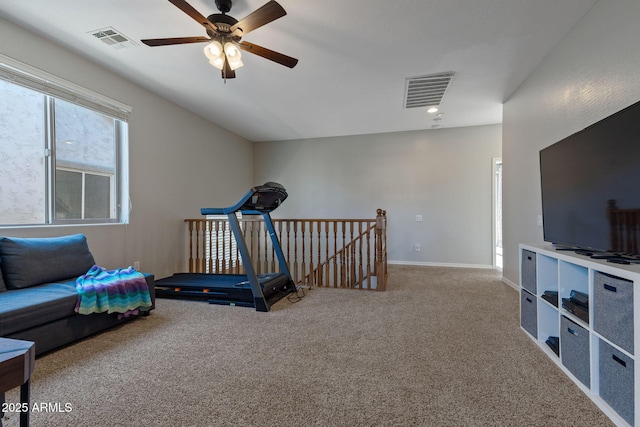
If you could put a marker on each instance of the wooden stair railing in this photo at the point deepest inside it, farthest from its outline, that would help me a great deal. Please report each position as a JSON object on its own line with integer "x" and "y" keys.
{"x": 337, "y": 253}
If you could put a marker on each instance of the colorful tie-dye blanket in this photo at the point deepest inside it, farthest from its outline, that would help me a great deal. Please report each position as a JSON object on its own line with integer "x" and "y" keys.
{"x": 123, "y": 291}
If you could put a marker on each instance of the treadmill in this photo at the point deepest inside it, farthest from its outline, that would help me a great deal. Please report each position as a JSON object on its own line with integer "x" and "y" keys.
{"x": 260, "y": 291}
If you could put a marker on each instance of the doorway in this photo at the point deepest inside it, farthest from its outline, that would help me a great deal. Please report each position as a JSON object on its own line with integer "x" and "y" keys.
{"x": 497, "y": 213}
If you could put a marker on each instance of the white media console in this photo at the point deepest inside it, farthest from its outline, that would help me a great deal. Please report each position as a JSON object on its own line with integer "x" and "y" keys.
{"x": 598, "y": 349}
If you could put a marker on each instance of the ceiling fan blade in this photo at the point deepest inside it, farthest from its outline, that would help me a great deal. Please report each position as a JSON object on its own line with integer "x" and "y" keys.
{"x": 194, "y": 14}
{"x": 274, "y": 56}
{"x": 259, "y": 17}
{"x": 175, "y": 40}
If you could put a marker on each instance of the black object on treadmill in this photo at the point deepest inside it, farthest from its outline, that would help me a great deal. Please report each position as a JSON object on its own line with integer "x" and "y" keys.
{"x": 554, "y": 343}
{"x": 551, "y": 296}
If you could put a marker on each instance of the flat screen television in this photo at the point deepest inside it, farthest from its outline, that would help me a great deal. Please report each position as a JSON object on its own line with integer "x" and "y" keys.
{"x": 591, "y": 187}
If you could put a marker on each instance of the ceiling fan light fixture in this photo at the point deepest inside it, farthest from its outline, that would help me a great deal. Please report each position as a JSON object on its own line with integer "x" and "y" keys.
{"x": 233, "y": 55}
{"x": 235, "y": 63}
{"x": 215, "y": 54}
{"x": 218, "y": 62}
{"x": 214, "y": 48}
{"x": 231, "y": 50}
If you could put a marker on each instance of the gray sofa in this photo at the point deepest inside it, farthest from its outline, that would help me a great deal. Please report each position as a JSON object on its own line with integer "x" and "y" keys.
{"x": 38, "y": 291}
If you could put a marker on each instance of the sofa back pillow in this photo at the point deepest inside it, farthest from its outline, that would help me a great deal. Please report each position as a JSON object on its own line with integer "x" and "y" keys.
{"x": 32, "y": 261}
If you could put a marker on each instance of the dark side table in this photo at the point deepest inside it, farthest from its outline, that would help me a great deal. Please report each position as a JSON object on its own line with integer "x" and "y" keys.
{"x": 17, "y": 361}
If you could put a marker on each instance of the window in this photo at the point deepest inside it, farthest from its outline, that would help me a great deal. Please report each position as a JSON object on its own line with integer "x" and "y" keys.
{"x": 61, "y": 157}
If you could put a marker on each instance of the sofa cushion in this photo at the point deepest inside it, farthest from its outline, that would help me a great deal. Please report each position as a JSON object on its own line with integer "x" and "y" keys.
{"x": 25, "y": 308}
{"x": 2, "y": 285}
{"x": 33, "y": 261}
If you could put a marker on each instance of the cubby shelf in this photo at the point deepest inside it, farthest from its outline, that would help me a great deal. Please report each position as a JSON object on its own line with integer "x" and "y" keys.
{"x": 599, "y": 348}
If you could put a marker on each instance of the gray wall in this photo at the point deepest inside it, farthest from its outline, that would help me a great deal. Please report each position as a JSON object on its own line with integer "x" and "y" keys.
{"x": 444, "y": 175}
{"x": 178, "y": 162}
{"x": 591, "y": 74}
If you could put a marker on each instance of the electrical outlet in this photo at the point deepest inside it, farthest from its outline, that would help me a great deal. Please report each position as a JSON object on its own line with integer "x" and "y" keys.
{"x": 418, "y": 218}
{"x": 136, "y": 265}
{"x": 417, "y": 247}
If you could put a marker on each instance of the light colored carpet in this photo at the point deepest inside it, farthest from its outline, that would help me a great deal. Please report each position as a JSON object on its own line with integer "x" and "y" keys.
{"x": 441, "y": 347}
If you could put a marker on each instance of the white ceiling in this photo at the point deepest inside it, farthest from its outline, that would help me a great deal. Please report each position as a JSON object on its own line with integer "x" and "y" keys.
{"x": 354, "y": 58}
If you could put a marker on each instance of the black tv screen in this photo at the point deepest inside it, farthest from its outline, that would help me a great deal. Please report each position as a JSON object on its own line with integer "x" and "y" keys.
{"x": 591, "y": 186}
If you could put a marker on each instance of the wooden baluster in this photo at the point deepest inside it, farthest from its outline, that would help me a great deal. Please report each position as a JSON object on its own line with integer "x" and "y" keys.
{"x": 352, "y": 264}
{"x": 368, "y": 251}
{"x": 311, "y": 263}
{"x": 346, "y": 266}
{"x": 303, "y": 265}
{"x": 229, "y": 254}
{"x": 345, "y": 257}
{"x": 342, "y": 260}
{"x": 263, "y": 263}
{"x": 205, "y": 245}
{"x": 198, "y": 247}
{"x": 355, "y": 258}
{"x": 318, "y": 229}
{"x": 217, "y": 254}
{"x": 190, "y": 226}
{"x": 360, "y": 258}
{"x": 209, "y": 243}
{"x": 264, "y": 237}
{"x": 236, "y": 259}
{"x": 294, "y": 225}
{"x": 255, "y": 236}
{"x": 335, "y": 252}
{"x": 288, "y": 231}
{"x": 240, "y": 262}
{"x": 221, "y": 225}
{"x": 247, "y": 233}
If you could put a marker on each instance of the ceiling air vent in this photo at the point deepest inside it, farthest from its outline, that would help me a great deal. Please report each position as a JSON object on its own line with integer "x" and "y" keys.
{"x": 112, "y": 37}
{"x": 427, "y": 91}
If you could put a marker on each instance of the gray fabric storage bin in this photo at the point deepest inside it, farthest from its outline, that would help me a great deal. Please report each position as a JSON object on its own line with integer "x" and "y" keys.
{"x": 574, "y": 350}
{"x": 613, "y": 309}
{"x": 529, "y": 271}
{"x": 529, "y": 313}
{"x": 616, "y": 380}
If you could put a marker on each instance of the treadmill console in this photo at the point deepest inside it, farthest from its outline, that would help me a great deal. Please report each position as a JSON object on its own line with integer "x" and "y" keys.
{"x": 265, "y": 198}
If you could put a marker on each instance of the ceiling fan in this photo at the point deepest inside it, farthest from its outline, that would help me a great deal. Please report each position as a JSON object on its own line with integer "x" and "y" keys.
{"x": 225, "y": 33}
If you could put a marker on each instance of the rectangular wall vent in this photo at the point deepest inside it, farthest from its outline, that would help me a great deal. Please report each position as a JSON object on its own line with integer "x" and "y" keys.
{"x": 112, "y": 37}
{"x": 427, "y": 91}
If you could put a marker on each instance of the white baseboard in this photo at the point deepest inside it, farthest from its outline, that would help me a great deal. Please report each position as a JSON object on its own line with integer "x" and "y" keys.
{"x": 510, "y": 283}
{"x": 440, "y": 264}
